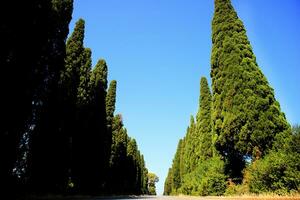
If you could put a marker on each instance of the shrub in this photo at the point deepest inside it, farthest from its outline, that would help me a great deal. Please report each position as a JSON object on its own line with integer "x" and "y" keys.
{"x": 207, "y": 179}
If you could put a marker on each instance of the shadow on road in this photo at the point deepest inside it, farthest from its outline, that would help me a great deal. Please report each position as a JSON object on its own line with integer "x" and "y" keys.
{"x": 50, "y": 197}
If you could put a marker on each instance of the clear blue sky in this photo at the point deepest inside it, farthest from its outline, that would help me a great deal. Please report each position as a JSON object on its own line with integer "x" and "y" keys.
{"x": 158, "y": 50}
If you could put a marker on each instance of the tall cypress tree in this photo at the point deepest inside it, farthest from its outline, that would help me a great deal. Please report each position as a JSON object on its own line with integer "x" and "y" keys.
{"x": 246, "y": 116}
{"x": 132, "y": 170}
{"x": 110, "y": 103}
{"x": 99, "y": 138}
{"x": 144, "y": 176}
{"x": 84, "y": 78}
{"x": 176, "y": 182}
{"x": 168, "y": 183}
{"x": 42, "y": 152}
{"x": 70, "y": 76}
{"x": 70, "y": 97}
{"x": 182, "y": 166}
{"x": 194, "y": 152}
{"x": 189, "y": 148}
{"x": 204, "y": 127}
{"x": 118, "y": 159}
{"x": 82, "y": 139}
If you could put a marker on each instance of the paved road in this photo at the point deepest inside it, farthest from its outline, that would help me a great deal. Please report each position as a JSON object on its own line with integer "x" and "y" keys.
{"x": 165, "y": 198}
{"x": 210, "y": 198}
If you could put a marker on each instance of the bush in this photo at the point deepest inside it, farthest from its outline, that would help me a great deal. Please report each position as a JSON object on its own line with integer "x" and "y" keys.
{"x": 278, "y": 172}
{"x": 233, "y": 189}
{"x": 207, "y": 179}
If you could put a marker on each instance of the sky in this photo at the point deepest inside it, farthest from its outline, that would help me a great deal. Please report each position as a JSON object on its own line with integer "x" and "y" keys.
{"x": 158, "y": 51}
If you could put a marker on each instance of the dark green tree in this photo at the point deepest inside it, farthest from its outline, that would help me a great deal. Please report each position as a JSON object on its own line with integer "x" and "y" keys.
{"x": 56, "y": 139}
{"x": 200, "y": 172}
{"x": 131, "y": 166}
{"x": 182, "y": 168}
{"x": 71, "y": 86}
{"x": 246, "y": 116}
{"x": 74, "y": 62}
{"x": 189, "y": 163}
{"x": 97, "y": 147}
{"x": 279, "y": 171}
{"x": 36, "y": 74}
{"x": 168, "y": 183}
{"x": 144, "y": 177}
{"x": 118, "y": 158}
{"x": 110, "y": 103}
{"x": 207, "y": 179}
{"x": 99, "y": 76}
{"x": 82, "y": 140}
{"x": 125, "y": 156}
{"x": 176, "y": 182}
{"x": 204, "y": 127}
{"x": 83, "y": 95}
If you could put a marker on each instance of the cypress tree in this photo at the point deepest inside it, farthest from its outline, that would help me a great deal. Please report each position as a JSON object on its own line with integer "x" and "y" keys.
{"x": 132, "y": 165}
{"x": 144, "y": 177}
{"x": 176, "y": 182}
{"x": 139, "y": 173}
{"x": 42, "y": 152}
{"x": 84, "y": 78}
{"x": 125, "y": 156}
{"x": 182, "y": 157}
{"x": 204, "y": 148}
{"x": 98, "y": 140}
{"x": 195, "y": 154}
{"x": 189, "y": 148}
{"x": 72, "y": 80}
{"x": 118, "y": 157}
{"x": 99, "y": 76}
{"x": 70, "y": 76}
{"x": 114, "y": 139}
{"x": 246, "y": 116}
{"x": 168, "y": 183}
{"x": 82, "y": 140}
{"x": 110, "y": 103}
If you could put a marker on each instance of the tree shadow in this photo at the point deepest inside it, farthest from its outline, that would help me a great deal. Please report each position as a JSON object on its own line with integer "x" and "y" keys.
{"x": 80, "y": 197}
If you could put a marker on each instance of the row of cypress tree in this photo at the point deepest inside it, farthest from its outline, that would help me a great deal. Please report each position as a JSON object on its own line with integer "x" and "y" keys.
{"x": 59, "y": 133}
{"x": 241, "y": 142}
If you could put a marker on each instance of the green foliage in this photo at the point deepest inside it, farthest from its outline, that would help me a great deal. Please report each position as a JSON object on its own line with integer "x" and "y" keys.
{"x": 29, "y": 139}
{"x": 279, "y": 171}
{"x": 176, "y": 182}
{"x": 188, "y": 156}
{"x": 144, "y": 177}
{"x": 246, "y": 116}
{"x": 76, "y": 62}
{"x": 152, "y": 180}
{"x": 119, "y": 141}
{"x": 194, "y": 154}
{"x": 168, "y": 183}
{"x": 204, "y": 148}
{"x": 234, "y": 189}
{"x": 125, "y": 156}
{"x": 207, "y": 179}
{"x": 56, "y": 140}
{"x": 241, "y": 121}
{"x": 84, "y": 78}
{"x": 110, "y": 102}
{"x": 99, "y": 75}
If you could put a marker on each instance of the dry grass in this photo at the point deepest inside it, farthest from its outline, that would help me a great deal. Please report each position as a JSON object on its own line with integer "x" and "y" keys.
{"x": 244, "y": 197}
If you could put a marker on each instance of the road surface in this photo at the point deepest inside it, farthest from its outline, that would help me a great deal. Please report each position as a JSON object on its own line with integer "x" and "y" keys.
{"x": 165, "y": 198}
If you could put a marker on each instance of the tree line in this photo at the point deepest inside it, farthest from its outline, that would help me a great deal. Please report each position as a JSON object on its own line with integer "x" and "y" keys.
{"x": 59, "y": 133}
{"x": 240, "y": 141}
